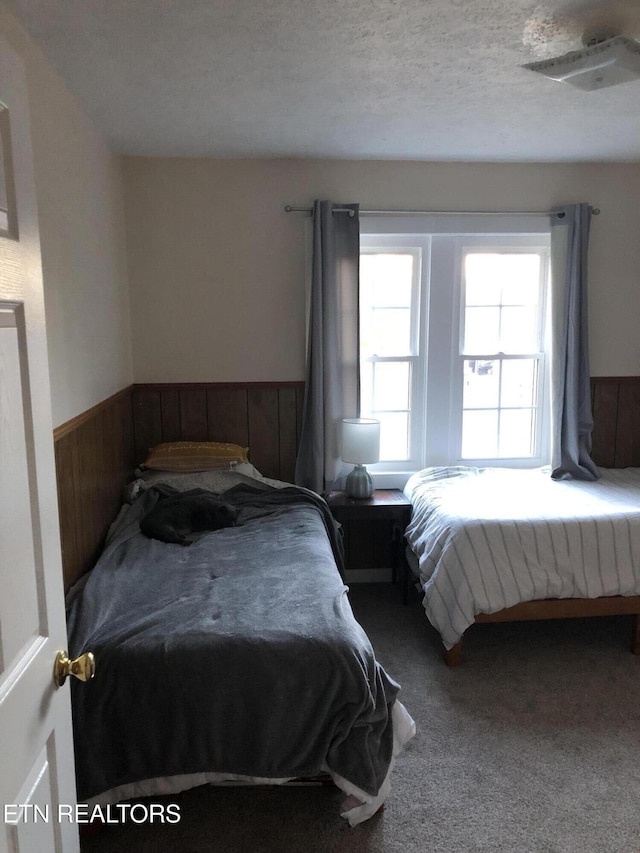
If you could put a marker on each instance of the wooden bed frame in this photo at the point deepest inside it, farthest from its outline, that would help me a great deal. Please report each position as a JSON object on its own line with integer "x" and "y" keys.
{"x": 97, "y": 451}
{"x": 560, "y": 608}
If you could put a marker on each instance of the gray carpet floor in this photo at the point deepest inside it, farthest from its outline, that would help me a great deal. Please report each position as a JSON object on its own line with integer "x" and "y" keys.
{"x": 533, "y": 745}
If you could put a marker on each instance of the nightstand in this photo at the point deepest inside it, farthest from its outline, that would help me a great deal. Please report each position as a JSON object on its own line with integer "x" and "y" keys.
{"x": 373, "y": 532}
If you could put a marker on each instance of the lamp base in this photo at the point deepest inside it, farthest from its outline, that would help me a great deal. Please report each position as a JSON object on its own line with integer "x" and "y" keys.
{"x": 359, "y": 483}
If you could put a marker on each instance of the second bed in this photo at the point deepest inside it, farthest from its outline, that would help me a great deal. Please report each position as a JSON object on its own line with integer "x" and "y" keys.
{"x": 496, "y": 544}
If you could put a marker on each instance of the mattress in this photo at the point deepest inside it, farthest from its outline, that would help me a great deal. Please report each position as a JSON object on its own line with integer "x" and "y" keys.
{"x": 489, "y": 538}
{"x": 237, "y": 657}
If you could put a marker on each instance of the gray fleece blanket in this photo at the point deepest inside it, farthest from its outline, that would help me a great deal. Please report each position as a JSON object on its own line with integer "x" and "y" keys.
{"x": 238, "y": 654}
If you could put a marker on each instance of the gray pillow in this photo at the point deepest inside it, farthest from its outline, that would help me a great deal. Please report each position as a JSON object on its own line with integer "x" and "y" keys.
{"x": 217, "y": 480}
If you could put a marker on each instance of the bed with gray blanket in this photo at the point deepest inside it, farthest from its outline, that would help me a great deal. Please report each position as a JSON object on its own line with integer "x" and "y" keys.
{"x": 235, "y": 658}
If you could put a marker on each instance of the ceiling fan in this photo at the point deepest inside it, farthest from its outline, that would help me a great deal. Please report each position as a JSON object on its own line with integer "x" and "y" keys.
{"x": 578, "y": 48}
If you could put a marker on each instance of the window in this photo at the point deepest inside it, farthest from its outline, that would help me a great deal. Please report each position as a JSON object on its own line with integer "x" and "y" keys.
{"x": 389, "y": 328}
{"x": 501, "y": 357}
{"x": 452, "y": 343}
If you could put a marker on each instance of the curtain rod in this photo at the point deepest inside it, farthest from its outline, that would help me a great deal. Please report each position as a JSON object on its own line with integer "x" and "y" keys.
{"x": 289, "y": 209}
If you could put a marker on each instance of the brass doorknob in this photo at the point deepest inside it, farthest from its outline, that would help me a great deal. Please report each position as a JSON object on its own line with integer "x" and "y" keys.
{"x": 83, "y": 667}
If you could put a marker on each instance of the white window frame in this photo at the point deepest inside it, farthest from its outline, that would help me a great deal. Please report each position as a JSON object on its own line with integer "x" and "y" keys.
{"x": 524, "y": 244}
{"x": 436, "y": 389}
{"x": 420, "y": 247}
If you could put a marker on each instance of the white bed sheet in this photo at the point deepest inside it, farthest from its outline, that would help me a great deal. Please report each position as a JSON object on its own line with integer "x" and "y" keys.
{"x": 490, "y": 538}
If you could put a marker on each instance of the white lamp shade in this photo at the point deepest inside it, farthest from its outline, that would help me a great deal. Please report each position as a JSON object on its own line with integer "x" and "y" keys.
{"x": 360, "y": 440}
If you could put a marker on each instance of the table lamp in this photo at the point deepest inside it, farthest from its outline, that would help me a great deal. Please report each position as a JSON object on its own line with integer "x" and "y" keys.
{"x": 360, "y": 445}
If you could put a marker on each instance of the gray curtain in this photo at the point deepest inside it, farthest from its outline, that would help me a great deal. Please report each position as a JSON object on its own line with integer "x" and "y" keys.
{"x": 571, "y": 414}
{"x": 333, "y": 370}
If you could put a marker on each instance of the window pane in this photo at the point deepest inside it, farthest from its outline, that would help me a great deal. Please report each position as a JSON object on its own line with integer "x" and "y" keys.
{"x": 502, "y": 279}
{"x": 387, "y": 333}
{"x": 507, "y": 287}
{"x": 481, "y": 384}
{"x": 518, "y": 330}
{"x": 482, "y": 330}
{"x": 482, "y": 286}
{"x": 366, "y": 386}
{"x": 518, "y": 382}
{"x": 516, "y": 432}
{"x": 521, "y": 279}
{"x": 480, "y": 434}
{"x": 386, "y": 280}
{"x": 386, "y": 290}
{"x": 391, "y": 385}
{"x": 388, "y": 324}
{"x": 394, "y": 436}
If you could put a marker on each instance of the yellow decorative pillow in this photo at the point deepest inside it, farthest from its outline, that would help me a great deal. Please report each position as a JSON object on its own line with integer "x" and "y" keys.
{"x": 192, "y": 456}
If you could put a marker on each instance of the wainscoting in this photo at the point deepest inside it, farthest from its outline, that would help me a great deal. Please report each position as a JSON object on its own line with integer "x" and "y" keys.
{"x": 94, "y": 458}
{"x": 616, "y": 415}
{"x": 265, "y": 417}
{"x": 97, "y": 451}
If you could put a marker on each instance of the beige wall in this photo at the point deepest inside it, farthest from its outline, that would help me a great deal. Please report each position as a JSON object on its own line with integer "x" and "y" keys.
{"x": 80, "y": 212}
{"x": 217, "y": 267}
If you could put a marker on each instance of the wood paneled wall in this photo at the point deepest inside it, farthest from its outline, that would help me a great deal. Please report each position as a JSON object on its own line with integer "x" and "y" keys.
{"x": 265, "y": 417}
{"x": 97, "y": 451}
{"x": 94, "y": 458}
{"x": 616, "y": 415}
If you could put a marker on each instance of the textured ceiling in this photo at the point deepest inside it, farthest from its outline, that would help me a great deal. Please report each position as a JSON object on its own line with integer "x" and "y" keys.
{"x": 400, "y": 79}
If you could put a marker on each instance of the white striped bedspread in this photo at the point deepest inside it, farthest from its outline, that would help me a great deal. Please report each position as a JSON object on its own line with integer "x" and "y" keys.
{"x": 490, "y": 538}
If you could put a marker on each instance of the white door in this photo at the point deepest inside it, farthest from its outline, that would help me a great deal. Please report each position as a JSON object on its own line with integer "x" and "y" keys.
{"x": 36, "y": 748}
